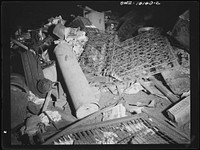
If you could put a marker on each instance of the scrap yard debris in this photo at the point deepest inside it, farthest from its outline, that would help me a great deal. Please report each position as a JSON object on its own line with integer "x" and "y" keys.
{"x": 96, "y": 62}
{"x": 107, "y": 138}
{"x": 115, "y": 112}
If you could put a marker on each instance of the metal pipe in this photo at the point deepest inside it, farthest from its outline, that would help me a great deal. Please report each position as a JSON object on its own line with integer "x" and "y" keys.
{"x": 82, "y": 97}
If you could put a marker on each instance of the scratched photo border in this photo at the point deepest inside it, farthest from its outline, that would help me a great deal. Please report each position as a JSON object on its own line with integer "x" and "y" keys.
{"x": 194, "y": 55}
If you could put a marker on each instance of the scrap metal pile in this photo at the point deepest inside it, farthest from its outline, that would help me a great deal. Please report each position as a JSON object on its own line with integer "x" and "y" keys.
{"x": 111, "y": 85}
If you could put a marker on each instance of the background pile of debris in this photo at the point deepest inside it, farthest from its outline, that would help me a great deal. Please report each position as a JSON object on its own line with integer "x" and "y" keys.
{"x": 94, "y": 70}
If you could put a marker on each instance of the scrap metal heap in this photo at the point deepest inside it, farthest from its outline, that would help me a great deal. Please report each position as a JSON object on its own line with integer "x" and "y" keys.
{"x": 144, "y": 74}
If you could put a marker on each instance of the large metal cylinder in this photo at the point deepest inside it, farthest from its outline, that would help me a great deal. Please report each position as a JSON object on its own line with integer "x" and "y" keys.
{"x": 82, "y": 97}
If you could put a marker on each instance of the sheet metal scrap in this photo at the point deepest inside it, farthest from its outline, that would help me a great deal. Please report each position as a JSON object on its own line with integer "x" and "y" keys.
{"x": 138, "y": 129}
{"x": 146, "y": 54}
